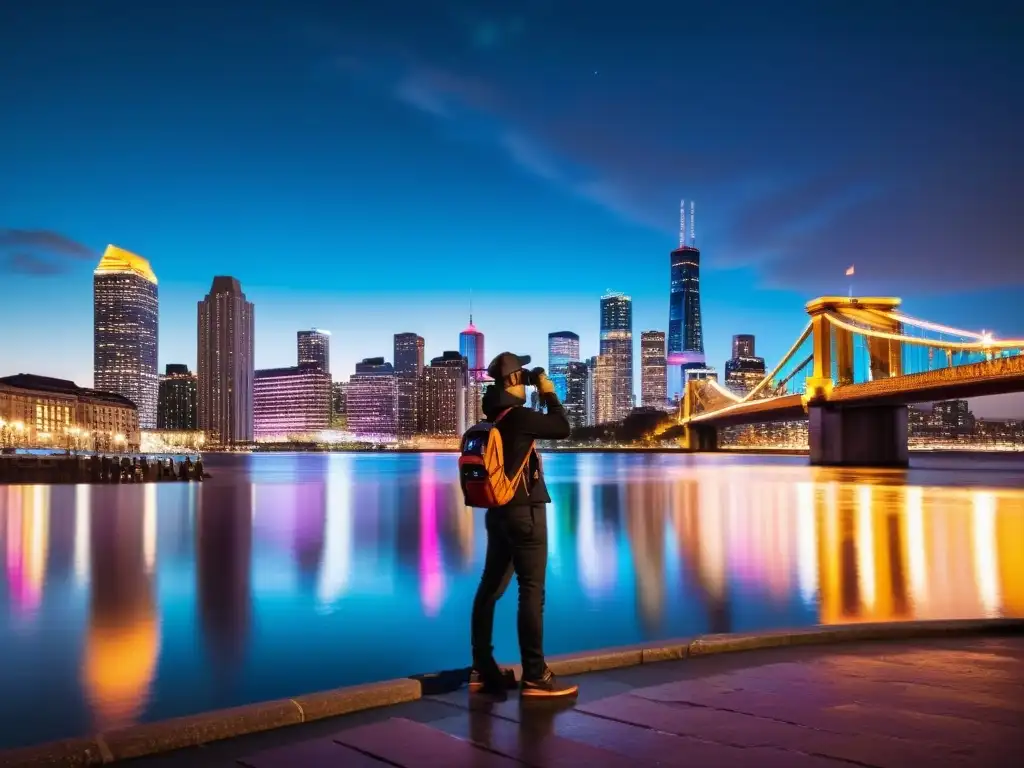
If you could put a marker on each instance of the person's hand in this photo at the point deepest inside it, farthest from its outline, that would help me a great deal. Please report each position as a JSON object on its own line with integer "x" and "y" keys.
{"x": 544, "y": 384}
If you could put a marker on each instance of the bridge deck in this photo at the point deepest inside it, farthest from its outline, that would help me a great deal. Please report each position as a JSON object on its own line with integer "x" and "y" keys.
{"x": 991, "y": 377}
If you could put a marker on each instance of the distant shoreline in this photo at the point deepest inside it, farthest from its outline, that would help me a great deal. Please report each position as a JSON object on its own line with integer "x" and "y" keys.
{"x": 966, "y": 452}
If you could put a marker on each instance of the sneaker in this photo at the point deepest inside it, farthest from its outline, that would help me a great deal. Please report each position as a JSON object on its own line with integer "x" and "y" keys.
{"x": 548, "y": 687}
{"x": 492, "y": 680}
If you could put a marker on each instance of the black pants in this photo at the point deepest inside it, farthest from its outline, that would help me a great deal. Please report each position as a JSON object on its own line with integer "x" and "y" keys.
{"x": 517, "y": 542}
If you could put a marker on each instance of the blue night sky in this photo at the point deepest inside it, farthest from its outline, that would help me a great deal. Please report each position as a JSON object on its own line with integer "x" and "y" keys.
{"x": 365, "y": 166}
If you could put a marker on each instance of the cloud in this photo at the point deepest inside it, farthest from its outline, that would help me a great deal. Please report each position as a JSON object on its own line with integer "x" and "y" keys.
{"x": 473, "y": 109}
{"x": 797, "y": 172}
{"x": 40, "y": 252}
{"x": 903, "y": 238}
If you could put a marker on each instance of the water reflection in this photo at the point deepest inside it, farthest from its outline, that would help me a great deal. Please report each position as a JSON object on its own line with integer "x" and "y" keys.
{"x": 122, "y": 638}
{"x": 303, "y": 572}
{"x": 223, "y": 570}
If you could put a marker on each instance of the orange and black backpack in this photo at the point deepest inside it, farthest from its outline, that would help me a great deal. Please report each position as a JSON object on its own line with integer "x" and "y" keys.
{"x": 485, "y": 483}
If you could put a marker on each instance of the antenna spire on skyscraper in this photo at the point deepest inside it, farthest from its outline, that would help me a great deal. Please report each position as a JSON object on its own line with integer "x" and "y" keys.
{"x": 693, "y": 230}
{"x": 470, "y": 306}
{"x": 682, "y": 223}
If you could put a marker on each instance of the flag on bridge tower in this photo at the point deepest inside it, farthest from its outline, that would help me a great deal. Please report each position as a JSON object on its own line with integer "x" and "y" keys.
{"x": 849, "y": 271}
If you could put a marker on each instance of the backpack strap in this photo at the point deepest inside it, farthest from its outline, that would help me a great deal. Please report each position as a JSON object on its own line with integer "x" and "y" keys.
{"x": 526, "y": 460}
{"x": 501, "y": 415}
{"x": 519, "y": 472}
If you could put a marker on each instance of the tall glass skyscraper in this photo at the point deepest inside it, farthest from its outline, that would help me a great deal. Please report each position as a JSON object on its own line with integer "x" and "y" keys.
{"x": 617, "y": 353}
{"x": 471, "y": 347}
{"x": 314, "y": 348}
{"x": 685, "y": 332}
{"x": 563, "y": 348}
{"x": 408, "y": 354}
{"x": 225, "y": 351}
{"x": 125, "y": 324}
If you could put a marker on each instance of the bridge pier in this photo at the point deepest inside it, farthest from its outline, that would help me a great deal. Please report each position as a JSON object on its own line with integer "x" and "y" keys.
{"x": 702, "y": 438}
{"x": 868, "y": 436}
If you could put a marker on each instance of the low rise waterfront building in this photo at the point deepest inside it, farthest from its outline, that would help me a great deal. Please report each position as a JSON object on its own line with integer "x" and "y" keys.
{"x": 43, "y": 412}
{"x": 291, "y": 403}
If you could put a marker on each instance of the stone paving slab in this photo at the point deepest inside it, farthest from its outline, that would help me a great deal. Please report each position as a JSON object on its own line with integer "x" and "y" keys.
{"x": 410, "y": 744}
{"x": 943, "y": 703}
{"x": 318, "y": 753}
{"x": 749, "y": 732}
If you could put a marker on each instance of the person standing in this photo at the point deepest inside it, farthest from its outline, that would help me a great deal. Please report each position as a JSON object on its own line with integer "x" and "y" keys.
{"x": 517, "y": 534}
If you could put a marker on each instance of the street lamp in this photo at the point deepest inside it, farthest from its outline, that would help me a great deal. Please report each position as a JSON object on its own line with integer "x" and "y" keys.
{"x": 119, "y": 441}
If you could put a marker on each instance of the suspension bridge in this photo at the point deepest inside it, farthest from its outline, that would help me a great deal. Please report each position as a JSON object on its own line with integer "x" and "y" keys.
{"x": 852, "y": 373}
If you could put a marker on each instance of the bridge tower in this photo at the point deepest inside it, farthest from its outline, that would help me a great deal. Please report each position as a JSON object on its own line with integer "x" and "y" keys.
{"x": 696, "y": 437}
{"x": 874, "y": 435}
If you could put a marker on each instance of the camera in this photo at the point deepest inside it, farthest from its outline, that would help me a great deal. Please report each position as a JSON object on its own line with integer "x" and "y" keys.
{"x": 533, "y": 376}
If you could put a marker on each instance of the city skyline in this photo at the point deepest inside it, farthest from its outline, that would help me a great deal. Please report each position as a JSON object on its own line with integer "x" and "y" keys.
{"x": 496, "y": 123}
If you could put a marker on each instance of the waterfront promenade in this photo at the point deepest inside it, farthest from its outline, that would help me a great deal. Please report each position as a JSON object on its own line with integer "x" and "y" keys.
{"x": 937, "y": 702}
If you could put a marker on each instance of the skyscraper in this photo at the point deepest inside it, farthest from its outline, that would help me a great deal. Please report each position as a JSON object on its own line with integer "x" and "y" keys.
{"x": 371, "y": 399}
{"x": 314, "y": 348}
{"x": 744, "y": 371}
{"x": 445, "y": 382}
{"x": 685, "y": 331}
{"x": 577, "y": 380}
{"x": 617, "y": 352}
{"x": 471, "y": 347}
{"x": 408, "y": 354}
{"x": 563, "y": 348}
{"x": 743, "y": 345}
{"x": 653, "y": 393}
{"x": 225, "y": 351}
{"x": 176, "y": 400}
{"x": 125, "y": 324}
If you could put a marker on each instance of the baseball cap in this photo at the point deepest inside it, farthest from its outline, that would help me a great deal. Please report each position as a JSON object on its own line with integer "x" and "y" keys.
{"x": 506, "y": 364}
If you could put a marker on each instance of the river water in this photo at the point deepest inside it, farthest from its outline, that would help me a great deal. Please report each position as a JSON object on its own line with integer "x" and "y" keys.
{"x": 292, "y": 573}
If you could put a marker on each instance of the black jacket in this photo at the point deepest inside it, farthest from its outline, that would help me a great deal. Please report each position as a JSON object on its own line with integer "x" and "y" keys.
{"x": 518, "y": 429}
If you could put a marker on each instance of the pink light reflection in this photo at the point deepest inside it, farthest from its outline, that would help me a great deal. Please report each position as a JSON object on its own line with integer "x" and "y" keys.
{"x": 431, "y": 571}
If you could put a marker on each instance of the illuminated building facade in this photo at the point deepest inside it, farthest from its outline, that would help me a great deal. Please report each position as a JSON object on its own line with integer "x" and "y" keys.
{"x": 225, "y": 351}
{"x": 125, "y": 324}
{"x": 371, "y": 400}
{"x": 744, "y": 371}
{"x": 408, "y": 393}
{"x": 444, "y": 391}
{"x": 605, "y": 372}
{"x": 577, "y": 380}
{"x": 471, "y": 347}
{"x": 591, "y": 407}
{"x": 177, "y": 399}
{"x": 616, "y": 349}
{"x": 743, "y": 345}
{"x": 408, "y": 354}
{"x": 41, "y": 412}
{"x": 953, "y": 417}
{"x": 685, "y": 330}
{"x": 563, "y": 348}
{"x": 314, "y": 349}
{"x": 290, "y": 403}
{"x": 653, "y": 392}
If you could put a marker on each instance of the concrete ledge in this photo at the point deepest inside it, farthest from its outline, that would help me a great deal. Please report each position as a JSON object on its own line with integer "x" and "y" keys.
{"x": 342, "y": 701}
{"x": 189, "y": 731}
{"x": 151, "y": 738}
{"x": 73, "y": 753}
